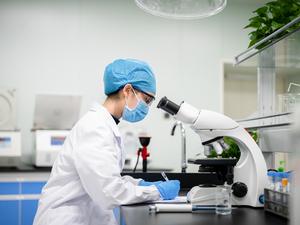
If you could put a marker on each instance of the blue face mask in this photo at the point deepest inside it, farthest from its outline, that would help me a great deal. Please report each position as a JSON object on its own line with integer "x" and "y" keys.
{"x": 138, "y": 113}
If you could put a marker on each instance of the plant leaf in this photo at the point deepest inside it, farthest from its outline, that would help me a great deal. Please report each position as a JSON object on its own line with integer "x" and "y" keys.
{"x": 262, "y": 11}
{"x": 276, "y": 26}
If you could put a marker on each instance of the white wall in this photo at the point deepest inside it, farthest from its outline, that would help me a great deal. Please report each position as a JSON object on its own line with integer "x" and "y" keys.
{"x": 63, "y": 47}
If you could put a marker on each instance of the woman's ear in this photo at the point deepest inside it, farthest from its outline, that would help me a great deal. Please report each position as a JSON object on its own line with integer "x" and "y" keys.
{"x": 127, "y": 89}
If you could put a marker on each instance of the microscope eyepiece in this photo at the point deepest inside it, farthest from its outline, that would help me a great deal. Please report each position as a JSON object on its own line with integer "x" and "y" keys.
{"x": 168, "y": 106}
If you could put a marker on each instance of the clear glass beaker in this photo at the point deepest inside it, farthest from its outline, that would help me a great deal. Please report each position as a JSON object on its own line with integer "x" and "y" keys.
{"x": 287, "y": 102}
{"x": 223, "y": 200}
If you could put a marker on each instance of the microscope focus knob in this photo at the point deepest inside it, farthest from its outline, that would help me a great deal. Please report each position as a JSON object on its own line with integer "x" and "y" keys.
{"x": 239, "y": 189}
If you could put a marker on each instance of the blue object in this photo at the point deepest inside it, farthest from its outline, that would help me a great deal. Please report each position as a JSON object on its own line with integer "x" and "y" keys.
{"x": 9, "y": 188}
{"x": 261, "y": 199}
{"x": 272, "y": 173}
{"x": 32, "y": 187}
{"x": 129, "y": 71}
{"x": 147, "y": 183}
{"x": 15, "y": 212}
{"x": 137, "y": 114}
{"x": 57, "y": 140}
{"x": 28, "y": 211}
{"x": 9, "y": 212}
{"x": 168, "y": 189}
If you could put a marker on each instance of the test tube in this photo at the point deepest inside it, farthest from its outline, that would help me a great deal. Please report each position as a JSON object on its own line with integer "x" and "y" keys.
{"x": 271, "y": 180}
{"x": 284, "y": 184}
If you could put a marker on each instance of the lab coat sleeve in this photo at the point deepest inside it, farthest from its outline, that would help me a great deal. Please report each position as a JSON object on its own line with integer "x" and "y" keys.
{"x": 96, "y": 162}
{"x": 131, "y": 179}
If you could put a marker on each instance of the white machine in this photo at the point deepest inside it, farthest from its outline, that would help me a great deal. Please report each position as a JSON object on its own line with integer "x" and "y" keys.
{"x": 48, "y": 143}
{"x": 54, "y": 117}
{"x": 10, "y": 138}
{"x": 250, "y": 172}
{"x": 10, "y": 148}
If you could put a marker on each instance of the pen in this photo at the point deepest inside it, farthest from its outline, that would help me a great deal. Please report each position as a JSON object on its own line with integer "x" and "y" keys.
{"x": 164, "y": 176}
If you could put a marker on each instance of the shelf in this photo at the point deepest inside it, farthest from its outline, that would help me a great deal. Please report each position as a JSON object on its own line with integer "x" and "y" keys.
{"x": 274, "y": 120}
{"x": 274, "y": 131}
{"x": 284, "y": 50}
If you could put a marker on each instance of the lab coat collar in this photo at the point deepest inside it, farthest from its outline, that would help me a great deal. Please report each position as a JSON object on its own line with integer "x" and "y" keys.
{"x": 97, "y": 107}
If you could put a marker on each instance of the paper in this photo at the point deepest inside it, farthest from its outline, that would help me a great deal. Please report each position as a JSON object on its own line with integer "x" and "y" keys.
{"x": 178, "y": 199}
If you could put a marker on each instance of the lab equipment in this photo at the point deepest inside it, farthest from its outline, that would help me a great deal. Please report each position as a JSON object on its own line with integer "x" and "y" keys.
{"x": 130, "y": 143}
{"x": 136, "y": 114}
{"x": 144, "y": 141}
{"x": 56, "y": 112}
{"x": 129, "y": 71}
{"x": 277, "y": 202}
{"x": 8, "y": 115}
{"x": 85, "y": 182}
{"x": 288, "y": 101}
{"x": 182, "y": 9}
{"x": 271, "y": 180}
{"x": 183, "y": 144}
{"x": 54, "y": 117}
{"x": 10, "y": 148}
{"x": 164, "y": 176}
{"x": 157, "y": 208}
{"x": 278, "y": 183}
{"x": 284, "y": 185}
{"x": 223, "y": 200}
{"x": 203, "y": 195}
{"x": 48, "y": 143}
{"x": 168, "y": 189}
{"x": 248, "y": 175}
{"x": 278, "y": 178}
{"x": 179, "y": 208}
{"x": 10, "y": 137}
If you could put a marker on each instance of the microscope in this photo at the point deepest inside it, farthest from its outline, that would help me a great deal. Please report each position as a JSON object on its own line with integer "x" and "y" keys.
{"x": 248, "y": 175}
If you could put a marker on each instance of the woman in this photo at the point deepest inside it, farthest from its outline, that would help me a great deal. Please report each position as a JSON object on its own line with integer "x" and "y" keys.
{"x": 85, "y": 182}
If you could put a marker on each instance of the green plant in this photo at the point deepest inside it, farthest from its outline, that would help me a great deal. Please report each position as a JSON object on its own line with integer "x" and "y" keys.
{"x": 232, "y": 152}
{"x": 213, "y": 154}
{"x": 271, "y": 17}
{"x": 254, "y": 135}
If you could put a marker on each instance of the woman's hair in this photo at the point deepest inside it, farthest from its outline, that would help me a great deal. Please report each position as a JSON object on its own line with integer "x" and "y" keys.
{"x": 115, "y": 95}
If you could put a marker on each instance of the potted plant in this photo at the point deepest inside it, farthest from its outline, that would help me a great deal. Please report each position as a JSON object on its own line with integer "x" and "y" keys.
{"x": 271, "y": 17}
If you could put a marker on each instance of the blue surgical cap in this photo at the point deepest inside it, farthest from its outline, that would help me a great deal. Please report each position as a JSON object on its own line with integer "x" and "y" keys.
{"x": 129, "y": 71}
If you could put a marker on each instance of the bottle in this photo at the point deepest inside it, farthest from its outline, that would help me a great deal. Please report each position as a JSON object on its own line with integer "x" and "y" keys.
{"x": 289, "y": 177}
{"x": 284, "y": 185}
{"x": 278, "y": 178}
{"x": 271, "y": 180}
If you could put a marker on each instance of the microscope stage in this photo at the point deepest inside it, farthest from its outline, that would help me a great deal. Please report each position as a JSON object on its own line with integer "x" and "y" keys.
{"x": 213, "y": 162}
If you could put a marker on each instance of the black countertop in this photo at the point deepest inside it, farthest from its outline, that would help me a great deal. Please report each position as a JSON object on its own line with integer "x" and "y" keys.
{"x": 139, "y": 214}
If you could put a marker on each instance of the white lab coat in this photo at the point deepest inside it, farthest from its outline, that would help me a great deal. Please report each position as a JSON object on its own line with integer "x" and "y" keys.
{"x": 85, "y": 183}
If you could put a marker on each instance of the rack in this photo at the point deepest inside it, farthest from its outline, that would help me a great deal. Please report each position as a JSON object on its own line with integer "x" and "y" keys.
{"x": 277, "y": 202}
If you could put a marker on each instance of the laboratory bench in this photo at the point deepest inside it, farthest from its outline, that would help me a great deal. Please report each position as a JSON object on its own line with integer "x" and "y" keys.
{"x": 139, "y": 214}
{"x": 20, "y": 190}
